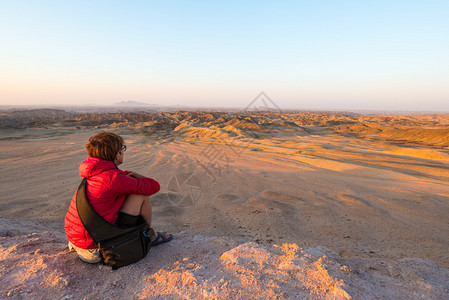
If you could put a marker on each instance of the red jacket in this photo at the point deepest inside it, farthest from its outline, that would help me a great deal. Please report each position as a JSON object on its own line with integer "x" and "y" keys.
{"x": 107, "y": 188}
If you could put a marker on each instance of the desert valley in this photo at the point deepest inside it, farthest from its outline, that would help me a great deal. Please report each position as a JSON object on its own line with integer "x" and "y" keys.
{"x": 270, "y": 203}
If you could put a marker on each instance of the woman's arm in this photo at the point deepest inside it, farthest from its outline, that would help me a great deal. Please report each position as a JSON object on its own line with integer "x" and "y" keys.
{"x": 128, "y": 184}
{"x": 136, "y": 175}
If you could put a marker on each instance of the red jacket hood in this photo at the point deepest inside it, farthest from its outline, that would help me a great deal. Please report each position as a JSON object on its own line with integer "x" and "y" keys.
{"x": 93, "y": 166}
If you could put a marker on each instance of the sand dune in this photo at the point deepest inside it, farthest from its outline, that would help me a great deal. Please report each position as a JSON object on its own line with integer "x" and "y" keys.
{"x": 372, "y": 189}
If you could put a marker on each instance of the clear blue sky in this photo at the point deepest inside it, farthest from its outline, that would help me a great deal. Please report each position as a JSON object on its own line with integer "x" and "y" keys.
{"x": 386, "y": 55}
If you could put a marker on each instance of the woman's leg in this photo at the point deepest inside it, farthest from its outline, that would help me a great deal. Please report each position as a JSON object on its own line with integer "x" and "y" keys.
{"x": 138, "y": 205}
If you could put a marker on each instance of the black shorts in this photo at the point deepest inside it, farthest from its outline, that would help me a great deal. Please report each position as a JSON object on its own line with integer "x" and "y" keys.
{"x": 127, "y": 220}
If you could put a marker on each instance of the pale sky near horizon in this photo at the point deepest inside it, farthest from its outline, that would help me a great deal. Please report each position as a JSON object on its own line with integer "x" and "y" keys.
{"x": 376, "y": 55}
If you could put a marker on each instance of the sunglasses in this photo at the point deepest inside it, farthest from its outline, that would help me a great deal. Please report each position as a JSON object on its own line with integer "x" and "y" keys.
{"x": 123, "y": 149}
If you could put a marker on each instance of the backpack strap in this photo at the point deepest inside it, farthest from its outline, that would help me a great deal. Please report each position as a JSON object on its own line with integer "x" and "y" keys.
{"x": 98, "y": 228}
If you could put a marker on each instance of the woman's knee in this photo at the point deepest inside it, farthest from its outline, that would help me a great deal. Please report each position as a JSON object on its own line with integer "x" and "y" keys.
{"x": 133, "y": 203}
{"x": 137, "y": 198}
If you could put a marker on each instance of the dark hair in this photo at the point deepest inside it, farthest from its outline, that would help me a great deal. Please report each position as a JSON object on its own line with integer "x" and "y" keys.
{"x": 105, "y": 145}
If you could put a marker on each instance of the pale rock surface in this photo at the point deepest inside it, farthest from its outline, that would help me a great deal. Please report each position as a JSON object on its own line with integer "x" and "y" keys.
{"x": 38, "y": 265}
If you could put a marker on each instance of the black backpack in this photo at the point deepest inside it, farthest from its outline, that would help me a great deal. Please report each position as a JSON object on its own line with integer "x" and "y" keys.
{"x": 118, "y": 245}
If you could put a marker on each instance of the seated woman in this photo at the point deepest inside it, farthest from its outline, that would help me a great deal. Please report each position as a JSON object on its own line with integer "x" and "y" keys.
{"x": 120, "y": 197}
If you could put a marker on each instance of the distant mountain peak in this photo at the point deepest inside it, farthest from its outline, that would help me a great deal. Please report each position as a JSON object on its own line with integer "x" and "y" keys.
{"x": 132, "y": 103}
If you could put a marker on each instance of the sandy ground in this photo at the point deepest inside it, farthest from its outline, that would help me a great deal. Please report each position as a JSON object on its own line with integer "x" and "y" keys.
{"x": 359, "y": 218}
